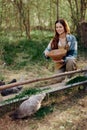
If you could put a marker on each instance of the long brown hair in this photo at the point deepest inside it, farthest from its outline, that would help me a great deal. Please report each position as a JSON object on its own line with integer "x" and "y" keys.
{"x": 54, "y": 44}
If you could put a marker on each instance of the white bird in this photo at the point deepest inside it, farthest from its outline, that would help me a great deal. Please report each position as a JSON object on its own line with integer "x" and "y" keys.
{"x": 29, "y": 106}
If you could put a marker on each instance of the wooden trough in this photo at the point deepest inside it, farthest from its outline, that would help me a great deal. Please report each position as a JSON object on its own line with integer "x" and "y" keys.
{"x": 47, "y": 89}
{"x": 41, "y": 79}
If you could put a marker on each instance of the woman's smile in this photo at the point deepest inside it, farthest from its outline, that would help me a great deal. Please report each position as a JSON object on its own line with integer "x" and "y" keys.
{"x": 59, "y": 28}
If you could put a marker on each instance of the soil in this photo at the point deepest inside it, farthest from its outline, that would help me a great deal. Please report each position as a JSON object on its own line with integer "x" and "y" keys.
{"x": 69, "y": 113}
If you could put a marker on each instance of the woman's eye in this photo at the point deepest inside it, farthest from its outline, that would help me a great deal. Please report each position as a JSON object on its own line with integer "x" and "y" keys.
{"x": 59, "y": 27}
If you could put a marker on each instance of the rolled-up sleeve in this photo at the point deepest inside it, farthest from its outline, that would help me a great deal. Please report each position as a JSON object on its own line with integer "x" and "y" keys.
{"x": 48, "y": 49}
{"x": 72, "y": 53}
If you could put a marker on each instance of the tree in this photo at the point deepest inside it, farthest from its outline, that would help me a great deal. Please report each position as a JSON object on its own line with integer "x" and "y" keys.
{"x": 78, "y": 11}
{"x": 24, "y": 13}
{"x": 57, "y": 9}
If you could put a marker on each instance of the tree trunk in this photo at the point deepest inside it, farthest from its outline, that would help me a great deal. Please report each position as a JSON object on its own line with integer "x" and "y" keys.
{"x": 57, "y": 9}
{"x": 78, "y": 11}
{"x": 24, "y": 16}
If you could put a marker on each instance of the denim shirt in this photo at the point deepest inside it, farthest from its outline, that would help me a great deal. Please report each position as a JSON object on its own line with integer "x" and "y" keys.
{"x": 72, "y": 52}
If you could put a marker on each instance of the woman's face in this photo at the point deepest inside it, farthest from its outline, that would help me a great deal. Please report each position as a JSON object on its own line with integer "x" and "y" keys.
{"x": 59, "y": 28}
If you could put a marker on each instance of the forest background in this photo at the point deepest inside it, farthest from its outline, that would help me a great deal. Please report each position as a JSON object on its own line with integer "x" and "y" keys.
{"x": 27, "y": 26}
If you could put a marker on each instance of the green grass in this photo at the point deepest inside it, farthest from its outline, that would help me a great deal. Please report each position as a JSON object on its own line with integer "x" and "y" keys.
{"x": 42, "y": 112}
{"x": 23, "y": 52}
{"x": 76, "y": 80}
{"x": 25, "y": 93}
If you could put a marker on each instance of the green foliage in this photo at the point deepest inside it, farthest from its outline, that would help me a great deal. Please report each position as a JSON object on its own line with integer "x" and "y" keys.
{"x": 9, "y": 53}
{"x": 24, "y": 93}
{"x": 3, "y": 40}
{"x": 42, "y": 112}
{"x": 22, "y": 53}
{"x": 76, "y": 80}
{"x": 28, "y": 92}
{"x": 26, "y": 51}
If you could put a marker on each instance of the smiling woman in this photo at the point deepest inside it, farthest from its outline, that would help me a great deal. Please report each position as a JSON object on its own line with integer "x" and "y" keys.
{"x": 63, "y": 39}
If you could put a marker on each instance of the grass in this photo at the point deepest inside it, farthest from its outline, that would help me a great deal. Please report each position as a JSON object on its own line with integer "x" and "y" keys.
{"x": 23, "y": 52}
{"x": 42, "y": 112}
{"x": 73, "y": 109}
{"x": 25, "y": 93}
{"x": 76, "y": 80}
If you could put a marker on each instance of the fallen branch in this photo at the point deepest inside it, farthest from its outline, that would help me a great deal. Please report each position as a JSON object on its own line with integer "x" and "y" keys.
{"x": 41, "y": 79}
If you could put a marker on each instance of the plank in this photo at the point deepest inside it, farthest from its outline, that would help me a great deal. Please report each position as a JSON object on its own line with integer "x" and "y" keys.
{"x": 41, "y": 79}
{"x": 48, "y": 89}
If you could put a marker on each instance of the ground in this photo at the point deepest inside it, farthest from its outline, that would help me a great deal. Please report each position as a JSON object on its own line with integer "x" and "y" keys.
{"x": 69, "y": 113}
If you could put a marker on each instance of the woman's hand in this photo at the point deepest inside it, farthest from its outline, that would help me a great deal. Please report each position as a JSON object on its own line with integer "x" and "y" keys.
{"x": 47, "y": 53}
{"x": 59, "y": 61}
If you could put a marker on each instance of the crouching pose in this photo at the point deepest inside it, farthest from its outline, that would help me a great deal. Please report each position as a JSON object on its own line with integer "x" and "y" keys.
{"x": 63, "y": 39}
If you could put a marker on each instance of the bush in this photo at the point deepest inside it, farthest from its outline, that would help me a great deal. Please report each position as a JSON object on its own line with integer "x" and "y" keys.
{"x": 26, "y": 51}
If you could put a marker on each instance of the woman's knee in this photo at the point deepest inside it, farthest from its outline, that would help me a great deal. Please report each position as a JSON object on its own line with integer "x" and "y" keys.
{"x": 71, "y": 65}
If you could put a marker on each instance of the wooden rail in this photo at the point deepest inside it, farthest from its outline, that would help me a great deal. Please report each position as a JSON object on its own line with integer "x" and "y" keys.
{"x": 41, "y": 79}
{"x": 48, "y": 89}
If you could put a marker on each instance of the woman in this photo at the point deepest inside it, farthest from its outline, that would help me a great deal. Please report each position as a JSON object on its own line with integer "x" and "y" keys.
{"x": 63, "y": 39}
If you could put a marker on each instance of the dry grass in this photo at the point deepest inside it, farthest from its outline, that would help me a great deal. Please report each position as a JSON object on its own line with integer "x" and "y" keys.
{"x": 70, "y": 111}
